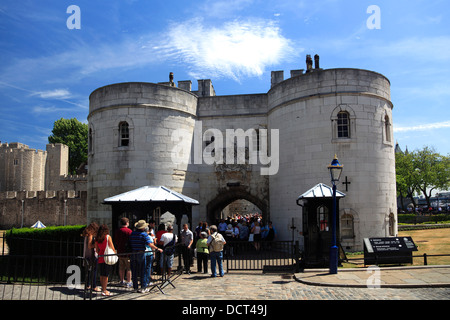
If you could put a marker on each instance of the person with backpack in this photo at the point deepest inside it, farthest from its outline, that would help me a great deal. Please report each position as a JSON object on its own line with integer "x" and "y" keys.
{"x": 216, "y": 243}
{"x": 169, "y": 240}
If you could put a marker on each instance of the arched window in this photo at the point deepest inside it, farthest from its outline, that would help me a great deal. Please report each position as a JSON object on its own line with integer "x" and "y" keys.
{"x": 343, "y": 125}
{"x": 124, "y": 134}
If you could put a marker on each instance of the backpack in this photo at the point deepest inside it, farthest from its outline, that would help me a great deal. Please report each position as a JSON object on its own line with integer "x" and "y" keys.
{"x": 217, "y": 243}
{"x": 169, "y": 249}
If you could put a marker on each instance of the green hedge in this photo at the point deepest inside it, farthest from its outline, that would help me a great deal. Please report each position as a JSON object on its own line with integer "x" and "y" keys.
{"x": 411, "y": 218}
{"x": 53, "y": 241}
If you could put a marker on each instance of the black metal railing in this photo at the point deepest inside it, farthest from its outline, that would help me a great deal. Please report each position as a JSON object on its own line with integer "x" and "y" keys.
{"x": 158, "y": 273}
{"x": 47, "y": 277}
{"x": 267, "y": 256}
{"x": 375, "y": 260}
{"x": 30, "y": 277}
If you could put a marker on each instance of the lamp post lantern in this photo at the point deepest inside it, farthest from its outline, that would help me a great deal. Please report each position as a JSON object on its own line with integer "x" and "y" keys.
{"x": 335, "y": 172}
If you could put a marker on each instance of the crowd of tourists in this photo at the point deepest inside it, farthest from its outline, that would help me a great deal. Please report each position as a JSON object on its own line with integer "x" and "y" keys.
{"x": 139, "y": 249}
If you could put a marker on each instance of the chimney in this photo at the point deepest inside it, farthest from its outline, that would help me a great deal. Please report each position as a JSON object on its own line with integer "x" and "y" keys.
{"x": 309, "y": 63}
{"x": 316, "y": 62}
{"x": 276, "y": 77}
{"x": 185, "y": 85}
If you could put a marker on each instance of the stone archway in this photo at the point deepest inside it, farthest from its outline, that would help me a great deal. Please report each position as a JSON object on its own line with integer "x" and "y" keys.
{"x": 225, "y": 197}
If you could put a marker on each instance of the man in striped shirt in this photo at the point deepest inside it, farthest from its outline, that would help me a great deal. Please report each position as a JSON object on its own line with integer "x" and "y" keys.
{"x": 139, "y": 241}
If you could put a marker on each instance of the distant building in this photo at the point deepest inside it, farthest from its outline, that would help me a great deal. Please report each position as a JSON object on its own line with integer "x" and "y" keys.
{"x": 35, "y": 185}
{"x": 26, "y": 169}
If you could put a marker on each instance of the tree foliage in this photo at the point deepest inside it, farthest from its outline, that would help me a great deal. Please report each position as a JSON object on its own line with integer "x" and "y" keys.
{"x": 74, "y": 134}
{"x": 422, "y": 171}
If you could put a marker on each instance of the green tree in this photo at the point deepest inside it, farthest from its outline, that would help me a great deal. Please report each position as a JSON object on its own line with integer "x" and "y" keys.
{"x": 74, "y": 134}
{"x": 406, "y": 182}
{"x": 431, "y": 171}
{"x": 422, "y": 171}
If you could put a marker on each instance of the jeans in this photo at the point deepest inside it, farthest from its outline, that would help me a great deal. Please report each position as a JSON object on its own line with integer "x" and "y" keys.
{"x": 148, "y": 269}
{"x": 138, "y": 269}
{"x": 216, "y": 257}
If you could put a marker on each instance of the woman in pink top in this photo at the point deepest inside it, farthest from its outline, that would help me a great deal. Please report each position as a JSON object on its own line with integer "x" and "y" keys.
{"x": 101, "y": 240}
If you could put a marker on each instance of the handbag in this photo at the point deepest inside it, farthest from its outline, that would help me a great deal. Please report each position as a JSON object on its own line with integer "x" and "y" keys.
{"x": 110, "y": 256}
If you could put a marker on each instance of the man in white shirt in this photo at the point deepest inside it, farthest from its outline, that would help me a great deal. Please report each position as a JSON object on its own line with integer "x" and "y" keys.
{"x": 169, "y": 240}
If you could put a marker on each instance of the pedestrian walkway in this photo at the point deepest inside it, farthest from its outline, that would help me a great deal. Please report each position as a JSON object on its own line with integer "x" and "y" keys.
{"x": 385, "y": 277}
{"x": 396, "y": 283}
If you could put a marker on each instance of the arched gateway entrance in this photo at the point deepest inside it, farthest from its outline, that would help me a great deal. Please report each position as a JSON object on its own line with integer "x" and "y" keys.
{"x": 225, "y": 197}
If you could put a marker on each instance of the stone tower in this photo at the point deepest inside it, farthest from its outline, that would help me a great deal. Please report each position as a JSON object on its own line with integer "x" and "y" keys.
{"x": 57, "y": 165}
{"x": 21, "y": 168}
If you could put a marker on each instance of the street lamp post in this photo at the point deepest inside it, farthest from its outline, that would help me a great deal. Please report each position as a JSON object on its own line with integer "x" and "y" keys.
{"x": 335, "y": 172}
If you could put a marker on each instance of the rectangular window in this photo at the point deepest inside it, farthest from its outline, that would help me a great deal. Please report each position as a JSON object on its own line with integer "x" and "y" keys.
{"x": 347, "y": 230}
{"x": 124, "y": 134}
{"x": 343, "y": 125}
{"x": 322, "y": 218}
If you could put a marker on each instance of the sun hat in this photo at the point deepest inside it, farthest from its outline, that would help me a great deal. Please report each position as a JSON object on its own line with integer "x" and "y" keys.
{"x": 141, "y": 224}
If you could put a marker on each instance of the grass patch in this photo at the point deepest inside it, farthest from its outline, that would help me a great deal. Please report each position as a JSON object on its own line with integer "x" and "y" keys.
{"x": 429, "y": 241}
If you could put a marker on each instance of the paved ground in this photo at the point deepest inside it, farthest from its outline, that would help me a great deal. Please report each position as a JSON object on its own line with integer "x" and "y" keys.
{"x": 401, "y": 283}
{"x": 386, "y": 277}
{"x": 404, "y": 283}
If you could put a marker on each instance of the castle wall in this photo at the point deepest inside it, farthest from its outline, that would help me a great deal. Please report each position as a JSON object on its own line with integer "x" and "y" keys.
{"x": 52, "y": 208}
{"x": 231, "y": 181}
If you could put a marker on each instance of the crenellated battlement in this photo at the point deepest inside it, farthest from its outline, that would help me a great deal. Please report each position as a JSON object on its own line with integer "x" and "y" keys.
{"x": 74, "y": 177}
{"x": 52, "y": 208}
{"x": 61, "y": 194}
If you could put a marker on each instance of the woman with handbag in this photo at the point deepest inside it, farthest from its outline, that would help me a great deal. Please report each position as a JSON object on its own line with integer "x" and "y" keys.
{"x": 90, "y": 255}
{"x": 102, "y": 241}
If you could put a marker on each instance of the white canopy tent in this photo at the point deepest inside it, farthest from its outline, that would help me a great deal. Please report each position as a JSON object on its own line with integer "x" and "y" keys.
{"x": 38, "y": 225}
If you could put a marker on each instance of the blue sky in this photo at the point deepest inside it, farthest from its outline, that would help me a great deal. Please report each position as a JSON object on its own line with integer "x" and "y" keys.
{"x": 47, "y": 70}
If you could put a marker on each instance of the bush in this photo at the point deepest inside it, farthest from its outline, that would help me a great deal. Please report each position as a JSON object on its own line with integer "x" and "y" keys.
{"x": 411, "y": 218}
{"x": 52, "y": 241}
{"x": 407, "y": 218}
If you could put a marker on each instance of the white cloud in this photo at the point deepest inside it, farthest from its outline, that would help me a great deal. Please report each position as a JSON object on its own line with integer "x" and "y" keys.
{"x": 226, "y": 8}
{"x": 48, "y": 109}
{"x": 236, "y": 49}
{"x": 423, "y": 127}
{"x": 54, "y": 94}
{"x": 429, "y": 49}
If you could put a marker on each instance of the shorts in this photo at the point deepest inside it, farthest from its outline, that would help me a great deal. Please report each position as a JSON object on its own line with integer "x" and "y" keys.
{"x": 104, "y": 269}
{"x": 124, "y": 263}
{"x": 169, "y": 261}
